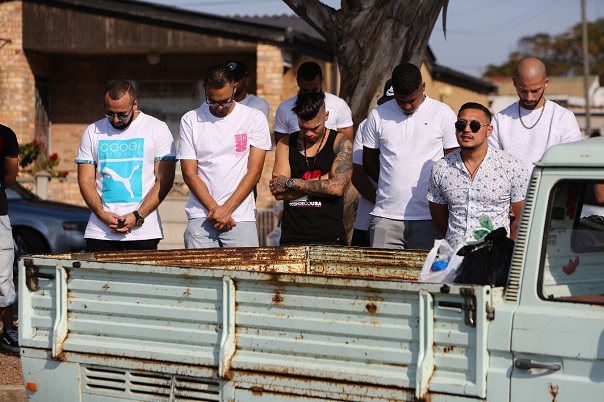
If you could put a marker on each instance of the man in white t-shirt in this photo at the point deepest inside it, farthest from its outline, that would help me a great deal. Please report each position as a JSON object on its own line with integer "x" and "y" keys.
{"x": 363, "y": 183}
{"x": 527, "y": 128}
{"x": 241, "y": 77}
{"x": 310, "y": 79}
{"x": 126, "y": 168}
{"x": 221, "y": 150}
{"x": 402, "y": 139}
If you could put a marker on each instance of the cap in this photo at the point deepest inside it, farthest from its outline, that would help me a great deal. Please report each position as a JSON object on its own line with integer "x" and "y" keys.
{"x": 238, "y": 69}
{"x": 388, "y": 93}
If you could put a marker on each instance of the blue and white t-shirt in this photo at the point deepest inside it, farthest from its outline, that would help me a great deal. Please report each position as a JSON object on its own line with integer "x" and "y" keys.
{"x": 125, "y": 171}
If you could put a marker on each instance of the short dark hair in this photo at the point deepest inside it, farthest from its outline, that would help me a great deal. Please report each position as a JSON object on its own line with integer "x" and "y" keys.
{"x": 477, "y": 106}
{"x": 309, "y": 104}
{"x": 406, "y": 79}
{"x": 309, "y": 70}
{"x": 119, "y": 88}
{"x": 218, "y": 76}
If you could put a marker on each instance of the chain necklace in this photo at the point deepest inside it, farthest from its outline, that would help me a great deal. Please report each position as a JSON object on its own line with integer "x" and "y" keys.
{"x": 314, "y": 162}
{"x": 520, "y": 115}
{"x": 473, "y": 172}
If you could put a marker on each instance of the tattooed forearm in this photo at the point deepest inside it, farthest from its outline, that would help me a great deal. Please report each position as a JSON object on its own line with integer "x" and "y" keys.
{"x": 342, "y": 166}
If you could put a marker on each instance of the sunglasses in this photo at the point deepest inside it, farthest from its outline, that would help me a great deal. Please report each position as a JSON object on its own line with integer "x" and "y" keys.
{"x": 475, "y": 125}
{"x": 120, "y": 115}
{"x": 225, "y": 103}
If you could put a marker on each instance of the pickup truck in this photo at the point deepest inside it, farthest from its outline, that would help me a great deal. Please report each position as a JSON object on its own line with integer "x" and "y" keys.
{"x": 315, "y": 323}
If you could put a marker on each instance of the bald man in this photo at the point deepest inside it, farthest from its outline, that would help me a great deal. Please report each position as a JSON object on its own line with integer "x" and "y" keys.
{"x": 527, "y": 128}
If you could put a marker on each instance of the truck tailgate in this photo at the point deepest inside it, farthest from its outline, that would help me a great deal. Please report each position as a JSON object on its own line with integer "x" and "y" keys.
{"x": 329, "y": 313}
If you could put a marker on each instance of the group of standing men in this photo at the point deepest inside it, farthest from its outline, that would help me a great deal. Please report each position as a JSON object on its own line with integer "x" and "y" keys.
{"x": 422, "y": 172}
{"x": 435, "y": 174}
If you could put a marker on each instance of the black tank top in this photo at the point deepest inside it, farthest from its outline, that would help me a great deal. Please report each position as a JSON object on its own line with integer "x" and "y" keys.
{"x": 313, "y": 219}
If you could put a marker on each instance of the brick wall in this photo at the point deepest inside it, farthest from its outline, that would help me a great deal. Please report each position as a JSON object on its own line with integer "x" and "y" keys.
{"x": 17, "y": 93}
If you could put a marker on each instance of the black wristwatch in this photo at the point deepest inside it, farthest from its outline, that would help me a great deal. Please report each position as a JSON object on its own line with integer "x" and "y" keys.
{"x": 289, "y": 183}
{"x": 139, "y": 219}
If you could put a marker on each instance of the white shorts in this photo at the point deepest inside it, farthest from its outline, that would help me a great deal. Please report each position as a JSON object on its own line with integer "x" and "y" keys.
{"x": 7, "y": 258}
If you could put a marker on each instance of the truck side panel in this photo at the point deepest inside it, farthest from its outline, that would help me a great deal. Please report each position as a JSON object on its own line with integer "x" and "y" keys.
{"x": 384, "y": 334}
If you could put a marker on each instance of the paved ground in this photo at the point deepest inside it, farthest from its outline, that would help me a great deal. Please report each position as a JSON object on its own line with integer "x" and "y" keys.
{"x": 11, "y": 379}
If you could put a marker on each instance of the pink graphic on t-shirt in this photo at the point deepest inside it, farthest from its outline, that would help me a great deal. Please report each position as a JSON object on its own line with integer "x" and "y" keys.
{"x": 241, "y": 142}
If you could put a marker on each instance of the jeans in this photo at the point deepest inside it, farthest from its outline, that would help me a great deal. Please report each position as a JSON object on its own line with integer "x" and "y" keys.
{"x": 200, "y": 233}
{"x": 398, "y": 234}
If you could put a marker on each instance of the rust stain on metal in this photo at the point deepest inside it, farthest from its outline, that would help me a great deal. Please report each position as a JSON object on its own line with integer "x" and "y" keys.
{"x": 448, "y": 349}
{"x": 349, "y": 262}
{"x": 553, "y": 391}
{"x": 61, "y": 357}
{"x": 277, "y": 298}
{"x": 257, "y": 390}
{"x": 371, "y": 307}
{"x": 106, "y": 287}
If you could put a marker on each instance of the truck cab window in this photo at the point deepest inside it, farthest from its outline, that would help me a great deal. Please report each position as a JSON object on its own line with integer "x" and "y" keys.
{"x": 572, "y": 268}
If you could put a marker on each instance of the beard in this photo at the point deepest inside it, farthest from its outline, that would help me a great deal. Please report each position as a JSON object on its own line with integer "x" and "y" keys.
{"x": 123, "y": 126}
{"x": 532, "y": 105}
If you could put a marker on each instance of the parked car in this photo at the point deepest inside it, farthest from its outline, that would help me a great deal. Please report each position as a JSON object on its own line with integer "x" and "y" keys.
{"x": 41, "y": 226}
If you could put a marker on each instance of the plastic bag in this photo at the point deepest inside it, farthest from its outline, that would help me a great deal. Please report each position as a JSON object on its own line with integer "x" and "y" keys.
{"x": 444, "y": 268}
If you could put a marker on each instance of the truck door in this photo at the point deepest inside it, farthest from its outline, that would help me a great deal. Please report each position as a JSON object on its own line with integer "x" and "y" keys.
{"x": 558, "y": 327}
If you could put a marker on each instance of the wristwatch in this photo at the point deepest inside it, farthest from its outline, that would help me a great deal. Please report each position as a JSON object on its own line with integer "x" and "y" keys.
{"x": 289, "y": 183}
{"x": 139, "y": 219}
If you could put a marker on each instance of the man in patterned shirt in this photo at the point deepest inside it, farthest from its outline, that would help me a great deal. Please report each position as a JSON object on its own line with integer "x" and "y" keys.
{"x": 475, "y": 180}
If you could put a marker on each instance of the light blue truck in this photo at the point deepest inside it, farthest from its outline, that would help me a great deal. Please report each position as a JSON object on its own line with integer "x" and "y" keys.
{"x": 327, "y": 323}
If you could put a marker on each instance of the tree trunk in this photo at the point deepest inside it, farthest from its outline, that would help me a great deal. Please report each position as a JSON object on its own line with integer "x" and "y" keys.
{"x": 370, "y": 38}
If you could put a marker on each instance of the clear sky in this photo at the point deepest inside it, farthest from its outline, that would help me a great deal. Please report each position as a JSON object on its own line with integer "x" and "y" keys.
{"x": 479, "y": 32}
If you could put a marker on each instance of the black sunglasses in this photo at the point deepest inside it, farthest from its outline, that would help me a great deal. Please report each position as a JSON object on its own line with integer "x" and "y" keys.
{"x": 225, "y": 103}
{"x": 120, "y": 115}
{"x": 475, "y": 125}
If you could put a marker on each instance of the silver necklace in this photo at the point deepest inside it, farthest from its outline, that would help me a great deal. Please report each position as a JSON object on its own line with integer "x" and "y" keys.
{"x": 541, "y": 114}
{"x": 473, "y": 172}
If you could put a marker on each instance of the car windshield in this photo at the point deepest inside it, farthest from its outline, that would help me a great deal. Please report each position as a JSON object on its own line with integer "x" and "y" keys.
{"x": 18, "y": 192}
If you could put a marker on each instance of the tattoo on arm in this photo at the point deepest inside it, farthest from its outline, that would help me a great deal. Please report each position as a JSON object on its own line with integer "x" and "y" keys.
{"x": 340, "y": 175}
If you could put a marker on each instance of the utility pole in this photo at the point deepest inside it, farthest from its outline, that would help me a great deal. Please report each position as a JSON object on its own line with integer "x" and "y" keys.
{"x": 585, "y": 69}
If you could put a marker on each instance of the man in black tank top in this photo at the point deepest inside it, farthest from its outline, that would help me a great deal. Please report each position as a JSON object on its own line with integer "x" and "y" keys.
{"x": 312, "y": 169}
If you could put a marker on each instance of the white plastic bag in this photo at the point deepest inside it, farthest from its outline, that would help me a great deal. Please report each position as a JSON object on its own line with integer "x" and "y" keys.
{"x": 444, "y": 268}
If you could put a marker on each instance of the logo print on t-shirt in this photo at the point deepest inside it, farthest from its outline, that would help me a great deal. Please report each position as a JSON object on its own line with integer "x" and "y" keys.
{"x": 240, "y": 143}
{"x": 311, "y": 175}
{"x": 121, "y": 163}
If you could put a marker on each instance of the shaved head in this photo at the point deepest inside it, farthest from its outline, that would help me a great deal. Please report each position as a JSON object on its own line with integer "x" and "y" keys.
{"x": 530, "y": 69}
{"x": 530, "y": 81}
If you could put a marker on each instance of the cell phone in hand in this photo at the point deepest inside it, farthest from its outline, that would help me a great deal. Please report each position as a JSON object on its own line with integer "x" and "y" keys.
{"x": 121, "y": 220}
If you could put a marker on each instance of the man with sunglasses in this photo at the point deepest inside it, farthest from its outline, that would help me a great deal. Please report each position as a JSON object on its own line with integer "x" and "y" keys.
{"x": 527, "y": 128}
{"x": 126, "y": 166}
{"x": 401, "y": 140}
{"x": 221, "y": 150}
{"x": 475, "y": 180}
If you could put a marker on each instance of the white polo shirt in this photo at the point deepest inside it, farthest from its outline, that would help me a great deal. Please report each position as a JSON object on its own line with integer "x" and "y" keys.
{"x": 409, "y": 145}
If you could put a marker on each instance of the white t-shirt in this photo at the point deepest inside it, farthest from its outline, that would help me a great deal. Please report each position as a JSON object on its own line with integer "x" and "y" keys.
{"x": 365, "y": 206}
{"x": 221, "y": 147}
{"x": 256, "y": 102}
{"x": 339, "y": 117}
{"x": 125, "y": 171}
{"x": 409, "y": 145}
{"x": 557, "y": 125}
